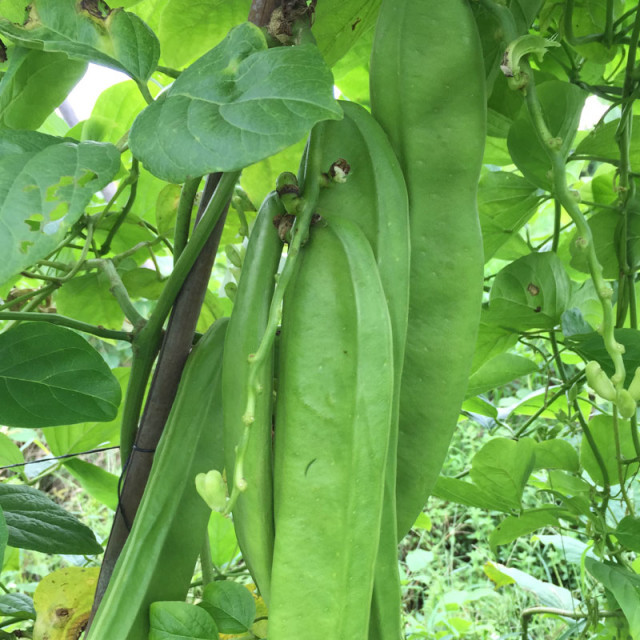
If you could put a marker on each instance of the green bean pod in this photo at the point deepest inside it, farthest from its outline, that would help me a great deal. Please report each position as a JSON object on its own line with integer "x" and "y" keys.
{"x": 159, "y": 557}
{"x": 333, "y": 417}
{"x": 374, "y": 197}
{"x": 253, "y": 511}
{"x": 427, "y": 92}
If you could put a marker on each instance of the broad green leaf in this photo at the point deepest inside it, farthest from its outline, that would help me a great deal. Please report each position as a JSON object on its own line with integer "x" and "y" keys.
{"x": 143, "y": 283}
{"x": 113, "y": 38}
{"x": 167, "y": 208}
{"x": 45, "y": 185}
{"x": 338, "y": 25}
{"x": 230, "y": 604}
{"x": 607, "y": 227}
{"x": 601, "y": 428}
{"x": 180, "y": 621}
{"x": 51, "y": 376}
{"x": 492, "y": 341}
{"x": 625, "y": 587}
{"x": 512, "y": 527}
{"x": 556, "y": 454}
{"x": 222, "y": 539}
{"x": 502, "y": 467}
{"x": 565, "y": 484}
{"x": 591, "y": 347}
{"x": 207, "y": 23}
{"x": 492, "y": 43}
{"x": 506, "y": 202}
{"x": 351, "y": 73}
{"x": 131, "y": 233}
{"x": 35, "y": 522}
{"x": 88, "y": 298}
{"x": 9, "y": 452}
{"x": 504, "y": 106}
{"x": 256, "y": 102}
{"x": 628, "y": 533}
{"x": 561, "y": 104}
{"x": 4, "y": 537}
{"x": 461, "y": 492}
{"x": 481, "y": 406}
{"x": 530, "y": 293}
{"x": 18, "y": 606}
{"x": 77, "y": 438}
{"x": 549, "y": 595}
{"x": 498, "y": 371}
{"x": 601, "y": 143}
{"x": 588, "y": 19}
{"x": 96, "y": 481}
{"x": 62, "y": 601}
{"x": 524, "y": 12}
{"x": 35, "y": 84}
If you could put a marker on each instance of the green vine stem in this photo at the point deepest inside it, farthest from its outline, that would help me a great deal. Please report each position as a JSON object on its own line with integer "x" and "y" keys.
{"x": 299, "y": 235}
{"x": 168, "y": 71}
{"x": 64, "y": 321}
{"x": 585, "y": 237}
{"x": 144, "y": 90}
{"x": 147, "y": 342}
{"x": 620, "y": 465}
{"x": 120, "y": 293}
{"x": 132, "y": 179}
{"x": 183, "y": 215}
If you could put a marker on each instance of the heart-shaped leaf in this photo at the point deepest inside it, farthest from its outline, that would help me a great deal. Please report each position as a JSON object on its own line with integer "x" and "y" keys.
{"x": 51, "y": 376}
{"x": 45, "y": 185}
{"x": 84, "y": 31}
{"x": 239, "y": 103}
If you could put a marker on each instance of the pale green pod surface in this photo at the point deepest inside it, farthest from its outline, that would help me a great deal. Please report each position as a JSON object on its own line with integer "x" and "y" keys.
{"x": 253, "y": 512}
{"x": 427, "y": 92}
{"x": 634, "y": 387}
{"x": 333, "y": 417}
{"x": 599, "y": 381}
{"x": 161, "y": 548}
{"x": 626, "y": 404}
{"x": 374, "y": 197}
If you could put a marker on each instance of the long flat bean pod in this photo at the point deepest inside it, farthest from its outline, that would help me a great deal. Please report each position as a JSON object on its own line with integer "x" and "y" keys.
{"x": 333, "y": 416}
{"x": 374, "y": 196}
{"x": 427, "y": 92}
{"x": 159, "y": 557}
{"x": 253, "y": 511}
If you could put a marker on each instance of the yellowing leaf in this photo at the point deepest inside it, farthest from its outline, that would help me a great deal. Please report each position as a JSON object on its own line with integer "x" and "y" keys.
{"x": 62, "y": 601}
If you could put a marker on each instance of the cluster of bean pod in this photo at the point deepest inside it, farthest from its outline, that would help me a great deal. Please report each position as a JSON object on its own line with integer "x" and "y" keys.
{"x": 354, "y": 409}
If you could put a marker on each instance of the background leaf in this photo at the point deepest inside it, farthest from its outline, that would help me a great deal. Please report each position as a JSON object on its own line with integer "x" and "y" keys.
{"x": 624, "y": 585}
{"x": 505, "y": 202}
{"x": 601, "y": 427}
{"x": 115, "y": 39}
{"x": 45, "y": 184}
{"x": 180, "y": 621}
{"x": 37, "y": 523}
{"x": 50, "y": 375}
{"x": 230, "y": 605}
{"x": 35, "y": 84}
{"x": 499, "y": 371}
{"x": 530, "y": 293}
{"x": 561, "y": 104}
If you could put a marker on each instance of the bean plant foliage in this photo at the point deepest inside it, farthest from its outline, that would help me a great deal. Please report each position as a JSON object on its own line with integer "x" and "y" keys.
{"x": 124, "y": 238}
